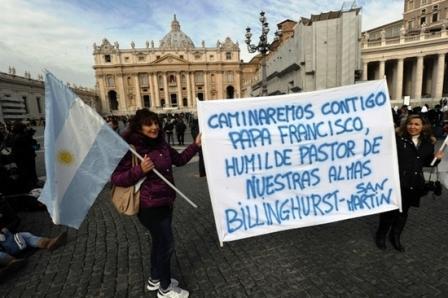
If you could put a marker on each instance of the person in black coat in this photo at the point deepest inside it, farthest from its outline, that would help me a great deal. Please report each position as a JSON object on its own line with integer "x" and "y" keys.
{"x": 194, "y": 133}
{"x": 23, "y": 151}
{"x": 180, "y": 131}
{"x": 415, "y": 148}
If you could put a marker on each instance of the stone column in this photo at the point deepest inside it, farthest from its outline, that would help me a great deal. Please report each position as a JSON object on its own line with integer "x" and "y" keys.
{"x": 193, "y": 89}
{"x": 205, "y": 86}
{"x": 155, "y": 78}
{"x": 138, "y": 95}
{"x": 102, "y": 87}
{"x": 165, "y": 91}
{"x": 365, "y": 71}
{"x": 189, "y": 97}
{"x": 220, "y": 83}
{"x": 440, "y": 77}
{"x": 121, "y": 94}
{"x": 382, "y": 70}
{"x": 152, "y": 91}
{"x": 179, "y": 90}
{"x": 399, "y": 82}
{"x": 419, "y": 78}
{"x": 237, "y": 81}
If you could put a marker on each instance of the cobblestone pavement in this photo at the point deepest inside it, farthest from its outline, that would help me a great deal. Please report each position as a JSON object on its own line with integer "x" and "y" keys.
{"x": 109, "y": 256}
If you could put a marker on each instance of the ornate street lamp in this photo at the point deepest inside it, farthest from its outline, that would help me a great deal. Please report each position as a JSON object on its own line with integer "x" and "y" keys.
{"x": 263, "y": 47}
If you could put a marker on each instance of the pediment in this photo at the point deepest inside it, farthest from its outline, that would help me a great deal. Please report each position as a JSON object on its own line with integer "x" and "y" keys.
{"x": 170, "y": 59}
{"x": 106, "y": 47}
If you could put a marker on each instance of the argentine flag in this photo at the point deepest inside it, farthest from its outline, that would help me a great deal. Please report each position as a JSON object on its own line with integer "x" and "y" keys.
{"x": 81, "y": 152}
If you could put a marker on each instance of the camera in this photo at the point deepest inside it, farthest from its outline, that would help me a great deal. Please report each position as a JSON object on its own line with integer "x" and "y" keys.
{"x": 434, "y": 186}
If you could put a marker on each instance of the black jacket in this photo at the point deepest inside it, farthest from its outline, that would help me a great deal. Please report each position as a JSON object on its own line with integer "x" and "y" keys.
{"x": 411, "y": 160}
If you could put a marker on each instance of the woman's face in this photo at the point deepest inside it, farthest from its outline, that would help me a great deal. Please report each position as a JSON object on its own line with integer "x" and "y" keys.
{"x": 151, "y": 130}
{"x": 414, "y": 127}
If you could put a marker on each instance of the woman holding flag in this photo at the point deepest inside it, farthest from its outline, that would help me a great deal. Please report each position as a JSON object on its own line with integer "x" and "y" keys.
{"x": 415, "y": 148}
{"x": 156, "y": 197}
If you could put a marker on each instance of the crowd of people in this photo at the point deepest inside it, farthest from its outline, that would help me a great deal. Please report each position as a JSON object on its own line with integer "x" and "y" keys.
{"x": 174, "y": 126}
{"x": 153, "y": 137}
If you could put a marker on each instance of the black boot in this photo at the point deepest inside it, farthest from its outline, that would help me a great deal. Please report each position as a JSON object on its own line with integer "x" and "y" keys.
{"x": 395, "y": 234}
{"x": 383, "y": 228}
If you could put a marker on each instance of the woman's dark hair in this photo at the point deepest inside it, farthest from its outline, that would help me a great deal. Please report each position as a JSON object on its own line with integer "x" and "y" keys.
{"x": 426, "y": 131}
{"x": 143, "y": 117}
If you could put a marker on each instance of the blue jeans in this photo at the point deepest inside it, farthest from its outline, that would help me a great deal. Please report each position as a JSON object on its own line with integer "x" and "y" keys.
{"x": 11, "y": 247}
{"x": 158, "y": 221}
{"x": 30, "y": 240}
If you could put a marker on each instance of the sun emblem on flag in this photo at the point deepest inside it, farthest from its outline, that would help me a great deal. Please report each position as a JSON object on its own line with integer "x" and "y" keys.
{"x": 65, "y": 157}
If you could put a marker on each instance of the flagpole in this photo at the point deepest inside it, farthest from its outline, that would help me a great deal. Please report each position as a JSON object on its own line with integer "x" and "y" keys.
{"x": 444, "y": 144}
{"x": 166, "y": 180}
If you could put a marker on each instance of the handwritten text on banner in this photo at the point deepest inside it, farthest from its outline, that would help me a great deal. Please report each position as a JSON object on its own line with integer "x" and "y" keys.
{"x": 283, "y": 162}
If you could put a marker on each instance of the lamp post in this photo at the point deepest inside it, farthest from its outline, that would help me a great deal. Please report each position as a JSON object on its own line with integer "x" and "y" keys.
{"x": 263, "y": 47}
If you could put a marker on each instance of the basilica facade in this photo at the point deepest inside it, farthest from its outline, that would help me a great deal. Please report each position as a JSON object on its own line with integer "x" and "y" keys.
{"x": 167, "y": 78}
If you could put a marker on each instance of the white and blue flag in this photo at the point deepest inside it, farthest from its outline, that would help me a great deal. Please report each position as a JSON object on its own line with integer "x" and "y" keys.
{"x": 81, "y": 152}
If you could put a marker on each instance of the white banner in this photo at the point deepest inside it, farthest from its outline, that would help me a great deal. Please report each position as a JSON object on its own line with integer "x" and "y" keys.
{"x": 283, "y": 162}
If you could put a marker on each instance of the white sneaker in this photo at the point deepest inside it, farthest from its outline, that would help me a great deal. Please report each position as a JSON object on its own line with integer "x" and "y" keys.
{"x": 173, "y": 292}
{"x": 152, "y": 285}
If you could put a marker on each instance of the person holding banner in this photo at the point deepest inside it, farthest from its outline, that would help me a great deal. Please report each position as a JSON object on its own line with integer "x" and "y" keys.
{"x": 415, "y": 148}
{"x": 156, "y": 197}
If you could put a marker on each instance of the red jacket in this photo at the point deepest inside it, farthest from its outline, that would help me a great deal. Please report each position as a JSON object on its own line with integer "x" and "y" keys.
{"x": 154, "y": 192}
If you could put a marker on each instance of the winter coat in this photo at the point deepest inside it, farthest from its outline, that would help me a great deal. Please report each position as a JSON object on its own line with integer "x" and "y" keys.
{"x": 154, "y": 192}
{"x": 169, "y": 127}
{"x": 180, "y": 127}
{"x": 23, "y": 150}
{"x": 411, "y": 160}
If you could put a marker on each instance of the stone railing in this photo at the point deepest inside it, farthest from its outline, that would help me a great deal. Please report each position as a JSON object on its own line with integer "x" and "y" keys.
{"x": 403, "y": 39}
{"x": 430, "y": 35}
{"x": 393, "y": 40}
{"x": 412, "y": 38}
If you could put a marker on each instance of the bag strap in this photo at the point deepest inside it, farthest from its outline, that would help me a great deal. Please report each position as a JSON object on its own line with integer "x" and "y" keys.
{"x": 134, "y": 158}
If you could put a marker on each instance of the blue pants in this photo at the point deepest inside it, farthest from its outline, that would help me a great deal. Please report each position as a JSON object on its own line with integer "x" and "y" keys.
{"x": 158, "y": 221}
{"x": 30, "y": 240}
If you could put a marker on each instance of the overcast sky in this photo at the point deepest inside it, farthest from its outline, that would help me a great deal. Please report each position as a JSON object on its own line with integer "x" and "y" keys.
{"x": 58, "y": 34}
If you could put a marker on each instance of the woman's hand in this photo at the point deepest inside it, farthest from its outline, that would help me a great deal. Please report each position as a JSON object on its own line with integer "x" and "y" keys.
{"x": 198, "y": 140}
{"x": 147, "y": 164}
{"x": 439, "y": 154}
